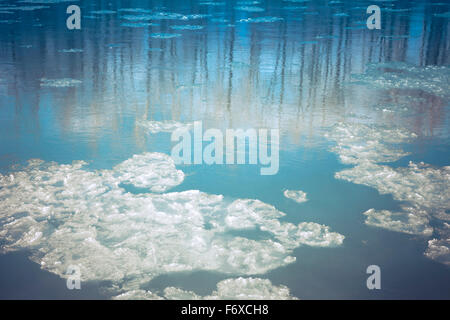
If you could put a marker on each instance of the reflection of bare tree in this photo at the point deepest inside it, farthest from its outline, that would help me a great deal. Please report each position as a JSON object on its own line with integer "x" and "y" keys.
{"x": 268, "y": 74}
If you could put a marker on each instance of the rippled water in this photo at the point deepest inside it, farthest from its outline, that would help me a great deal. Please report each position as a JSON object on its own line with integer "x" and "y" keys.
{"x": 363, "y": 165}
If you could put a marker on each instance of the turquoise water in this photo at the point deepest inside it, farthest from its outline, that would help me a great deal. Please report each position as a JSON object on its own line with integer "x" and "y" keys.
{"x": 353, "y": 106}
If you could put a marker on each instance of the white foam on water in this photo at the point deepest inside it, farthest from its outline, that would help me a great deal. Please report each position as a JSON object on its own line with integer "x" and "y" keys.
{"x": 67, "y": 215}
{"x": 296, "y": 195}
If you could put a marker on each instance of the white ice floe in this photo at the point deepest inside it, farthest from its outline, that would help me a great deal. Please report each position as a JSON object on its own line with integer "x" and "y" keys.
{"x": 60, "y": 83}
{"x": 165, "y": 35}
{"x": 439, "y": 248}
{"x": 138, "y": 295}
{"x": 236, "y": 289}
{"x": 68, "y": 215}
{"x": 71, "y": 50}
{"x": 411, "y": 220}
{"x": 154, "y": 126}
{"x": 229, "y": 289}
{"x": 249, "y": 8}
{"x": 155, "y": 171}
{"x": 187, "y": 27}
{"x": 424, "y": 188}
{"x": 360, "y": 143}
{"x": 296, "y": 195}
{"x": 261, "y": 20}
{"x": 46, "y": 1}
{"x": 399, "y": 75}
{"x": 420, "y": 184}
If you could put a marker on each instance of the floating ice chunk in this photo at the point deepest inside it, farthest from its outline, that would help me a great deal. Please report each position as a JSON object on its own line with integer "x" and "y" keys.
{"x": 248, "y": 3}
{"x": 71, "y": 50}
{"x": 442, "y": 15}
{"x": 163, "y": 126}
{"x": 397, "y": 9}
{"x": 341, "y": 14}
{"x": 155, "y": 171}
{"x": 135, "y": 10}
{"x": 67, "y": 215}
{"x": 103, "y": 12}
{"x": 220, "y": 20}
{"x": 46, "y": 1}
{"x": 212, "y": 3}
{"x": 165, "y": 35}
{"x": 439, "y": 250}
{"x": 411, "y": 220}
{"x": 249, "y": 8}
{"x": 172, "y": 293}
{"x": 295, "y": 8}
{"x": 166, "y": 16}
{"x": 247, "y": 214}
{"x": 195, "y": 16}
{"x": 358, "y": 143}
{"x": 433, "y": 79}
{"x": 250, "y": 289}
{"x": 419, "y": 184}
{"x": 296, "y": 1}
{"x": 60, "y": 83}
{"x": 306, "y": 233}
{"x": 424, "y": 187}
{"x": 186, "y": 27}
{"x": 138, "y": 295}
{"x": 296, "y": 195}
{"x": 237, "y": 289}
{"x": 28, "y": 8}
{"x": 396, "y": 37}
{"x": 229, "y": 289}
{"x": 138, "y": 17}
{"x": 9, "y": 21}
{"x": 261, "y": 20}
{"x": 138, "y": 24}
{"x": 307, "y": 42}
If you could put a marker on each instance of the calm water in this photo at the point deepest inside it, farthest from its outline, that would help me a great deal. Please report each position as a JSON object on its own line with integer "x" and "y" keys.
{"x": 308, "y": 68}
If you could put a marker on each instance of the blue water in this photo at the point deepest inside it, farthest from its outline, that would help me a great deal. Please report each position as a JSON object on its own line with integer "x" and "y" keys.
{"x": 292, "y": 73}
